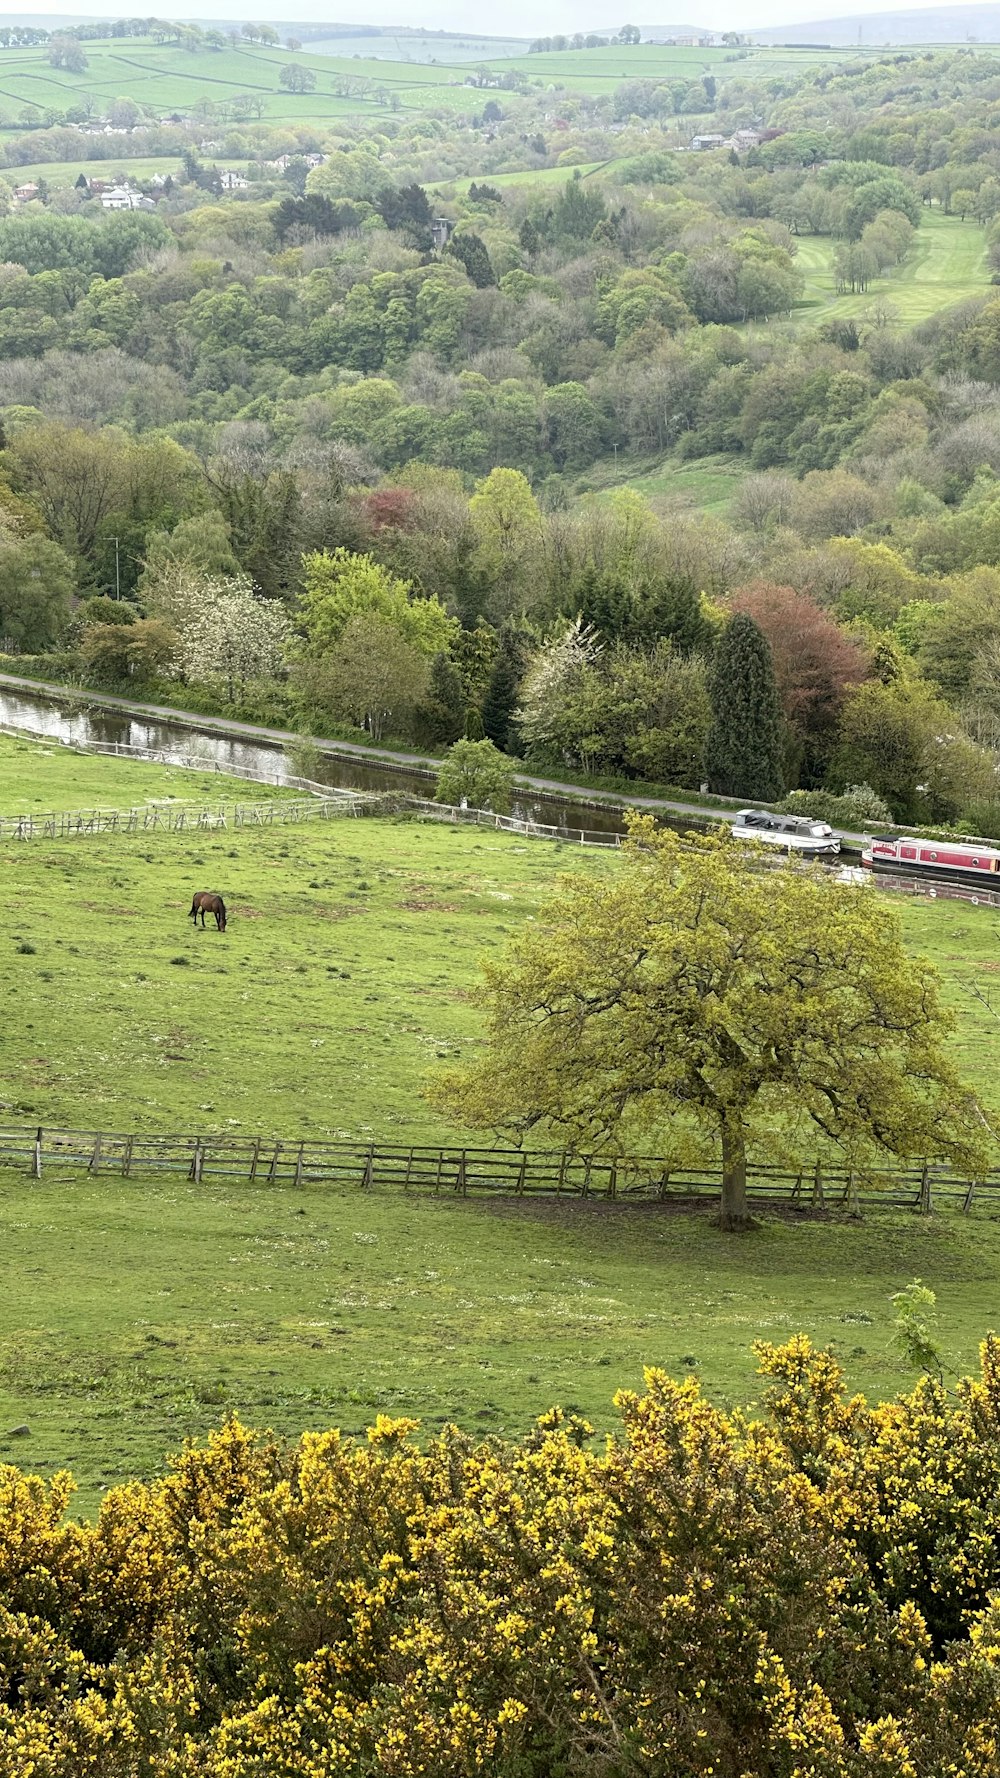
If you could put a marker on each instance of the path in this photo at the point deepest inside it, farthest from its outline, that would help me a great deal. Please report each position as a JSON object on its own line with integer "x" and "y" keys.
{"x": 377, "y": 756}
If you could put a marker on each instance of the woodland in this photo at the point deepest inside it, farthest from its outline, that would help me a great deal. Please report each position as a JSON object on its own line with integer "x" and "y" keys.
{"x": 274, "y": 452}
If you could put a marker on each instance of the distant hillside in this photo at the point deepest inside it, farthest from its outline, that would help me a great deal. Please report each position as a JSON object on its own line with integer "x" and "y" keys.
{"x": 925, "y": 24}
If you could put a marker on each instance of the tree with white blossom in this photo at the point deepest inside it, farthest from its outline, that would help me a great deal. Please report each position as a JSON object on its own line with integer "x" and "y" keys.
{"x": 234, "y": 638}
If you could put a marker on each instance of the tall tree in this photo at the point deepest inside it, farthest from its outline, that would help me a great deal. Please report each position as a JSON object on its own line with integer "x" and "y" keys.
{"x": 503, "y": 689}
{"x": 745, "y": 746}
{"x": 688, "y": 1003}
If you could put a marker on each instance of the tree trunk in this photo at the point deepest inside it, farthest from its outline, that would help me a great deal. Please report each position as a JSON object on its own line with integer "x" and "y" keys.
{"x": 733, "y": 1215}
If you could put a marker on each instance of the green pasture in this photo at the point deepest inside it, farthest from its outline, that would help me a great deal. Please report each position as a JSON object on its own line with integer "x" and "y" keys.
{"x": 138, "y": 1311}
{"x": 164, "y": 78}
{"x": 39, "y": 777}
{"x": 946, "y": 263}
{"x": 557, "y": 176}
{"x": 67, "y": 172}
{"x": 135, "y": 1314}
{"x": 708, "y": 484}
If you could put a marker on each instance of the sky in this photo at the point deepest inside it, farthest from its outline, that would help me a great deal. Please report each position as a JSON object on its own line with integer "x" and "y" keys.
{"x": 519, "y": 18}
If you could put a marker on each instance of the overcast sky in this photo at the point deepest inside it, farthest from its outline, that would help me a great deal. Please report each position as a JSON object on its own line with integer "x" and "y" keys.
{"x": 522, "y": 18}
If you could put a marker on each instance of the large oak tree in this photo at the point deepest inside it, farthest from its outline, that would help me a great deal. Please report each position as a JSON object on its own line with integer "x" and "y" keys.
{"x": 695, "y": 999}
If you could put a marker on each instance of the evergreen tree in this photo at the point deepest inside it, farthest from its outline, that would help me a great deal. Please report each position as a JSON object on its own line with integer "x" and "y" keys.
{"x": 745, "y": 746}
{"x": 441, "y": 715}
{"x": 474, "y": 730}
{"x": 502, "y": 690}
{"x": 472, "y": 253}
{"x": 529, "y": 237}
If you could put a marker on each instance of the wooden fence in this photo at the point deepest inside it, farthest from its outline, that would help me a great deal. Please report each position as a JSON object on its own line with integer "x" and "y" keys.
{"x": 464, "y": 1172}
{"x": 322, "y": 805}
{"x": 179, "y": 817}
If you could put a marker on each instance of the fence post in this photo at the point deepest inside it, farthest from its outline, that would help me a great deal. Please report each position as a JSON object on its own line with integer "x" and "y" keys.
{"x": 96, "y": 1157}
{"x": 819, "y": 1200}
{"x": 925, "y": 1191}
{"x": 461, "y": 1183}
{"x": 368, "y": 1177}
{"x": 127, "y": 1157}
{"x": 196, "y": 1160}
{"x": 298, "y": 1164}
{"x": 853, "y": 1201}
{"x": 522, "y": 1171}
{"x": 664, "y": 1185}
{"x": 36, "y": 1157}
{"x": 255, "y": 1160}
{"x": 970, "y": 1194}
{"x": 585, "y": 1188}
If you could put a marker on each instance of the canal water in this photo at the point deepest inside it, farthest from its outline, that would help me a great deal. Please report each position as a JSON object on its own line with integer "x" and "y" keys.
{"x": 84, "y": 725}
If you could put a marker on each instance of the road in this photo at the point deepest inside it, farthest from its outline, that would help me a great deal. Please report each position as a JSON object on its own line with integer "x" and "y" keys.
{"x": 384, "y": 756}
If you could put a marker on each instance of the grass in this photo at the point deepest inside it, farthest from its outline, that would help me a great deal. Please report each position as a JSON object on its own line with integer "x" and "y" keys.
{"x": 708, "y": 484}
{"x": 945, "y": 264}
{"x": 37, "y": 779}
{"x": 136, "y": 1312}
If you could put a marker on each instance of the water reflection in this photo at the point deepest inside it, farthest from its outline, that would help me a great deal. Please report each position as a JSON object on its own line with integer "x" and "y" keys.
{"x": 36, "y": 714}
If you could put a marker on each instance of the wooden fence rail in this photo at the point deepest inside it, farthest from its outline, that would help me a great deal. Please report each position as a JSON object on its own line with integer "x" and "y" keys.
{"x": 184, "y": 817}
{"x": 179, "y": 817}
{"x": 463, "y": 1172}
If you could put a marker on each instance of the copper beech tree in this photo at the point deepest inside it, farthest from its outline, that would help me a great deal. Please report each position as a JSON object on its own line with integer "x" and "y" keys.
{"x": 693, "y": 1001}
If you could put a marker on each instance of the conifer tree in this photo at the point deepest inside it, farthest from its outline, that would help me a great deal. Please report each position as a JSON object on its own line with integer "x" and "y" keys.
{"x": 441, "y": 715}
{"x": 503, "y": 689}
{"x": 745, "y": 745}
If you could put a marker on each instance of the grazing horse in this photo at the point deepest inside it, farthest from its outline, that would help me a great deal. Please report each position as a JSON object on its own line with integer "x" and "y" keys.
{"x": 207, "y": 902}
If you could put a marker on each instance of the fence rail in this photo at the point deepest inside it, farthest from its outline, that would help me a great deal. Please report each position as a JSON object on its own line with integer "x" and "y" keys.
{"x": 178, "y": 817}
{"x": 464, "y": 1172}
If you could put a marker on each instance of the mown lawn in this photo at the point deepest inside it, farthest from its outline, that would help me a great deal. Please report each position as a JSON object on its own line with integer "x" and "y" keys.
{"x": 946, "y": 263}
{"x": 137, "y": 1311}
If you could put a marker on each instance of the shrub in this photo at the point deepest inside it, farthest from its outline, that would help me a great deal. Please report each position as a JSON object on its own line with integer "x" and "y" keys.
{"x": 477, "y": 774}
{"x": 813, "y": 1592}
{"x": 859, "y": 807}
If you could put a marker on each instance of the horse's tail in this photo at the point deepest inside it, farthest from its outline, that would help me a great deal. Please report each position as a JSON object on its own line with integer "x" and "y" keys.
{"x": 222, "y": 914}
{"x": 194, "y": 907}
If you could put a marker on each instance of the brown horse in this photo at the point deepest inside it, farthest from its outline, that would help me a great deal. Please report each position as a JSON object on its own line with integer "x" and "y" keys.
{"x": 207, "y": 902}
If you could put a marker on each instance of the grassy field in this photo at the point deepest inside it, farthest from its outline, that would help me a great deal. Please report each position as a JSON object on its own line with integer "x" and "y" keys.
{"x": 530, "y": 176}
{"x": 37, "y": 778}
{"x": 164, "y": 77}
{"x": 945, "y": 264}
{"x": 136, "y": 1312}
{"x": 708, "y": 483}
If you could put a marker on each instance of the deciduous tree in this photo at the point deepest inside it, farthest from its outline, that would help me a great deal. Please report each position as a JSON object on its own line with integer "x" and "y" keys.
{"x": 692, "y": 996}
{"x": 475, "y": 773}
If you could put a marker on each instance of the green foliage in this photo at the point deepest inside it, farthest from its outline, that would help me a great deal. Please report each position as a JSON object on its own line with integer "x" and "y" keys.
{"x": 691, "y": 1004}
{"x": 744, "y": 747}
{"x": 915, "y": 1329}
{"x": 476, "y": 774}
{"x": 340, "y": 586}
{"x": 36, "y": 585}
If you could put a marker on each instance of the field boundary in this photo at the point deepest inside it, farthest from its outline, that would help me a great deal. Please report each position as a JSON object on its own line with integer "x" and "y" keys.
{"x": 463, "y": 1172}
{"x": 174, "y": 818}
{"x": 323, "y": 804}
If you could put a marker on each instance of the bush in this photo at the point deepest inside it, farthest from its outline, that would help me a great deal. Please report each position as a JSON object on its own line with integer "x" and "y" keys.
{"x": 477, "y": 774}
{"x": 812, "y": 1592}
{"x": 859, "y": 807}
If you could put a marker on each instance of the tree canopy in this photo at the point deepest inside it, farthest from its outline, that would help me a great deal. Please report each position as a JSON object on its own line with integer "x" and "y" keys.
{"x": 690, "y": 1004}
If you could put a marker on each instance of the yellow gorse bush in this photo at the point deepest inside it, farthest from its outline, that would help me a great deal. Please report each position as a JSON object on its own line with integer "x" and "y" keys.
{"x": 810, "y": 1594}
